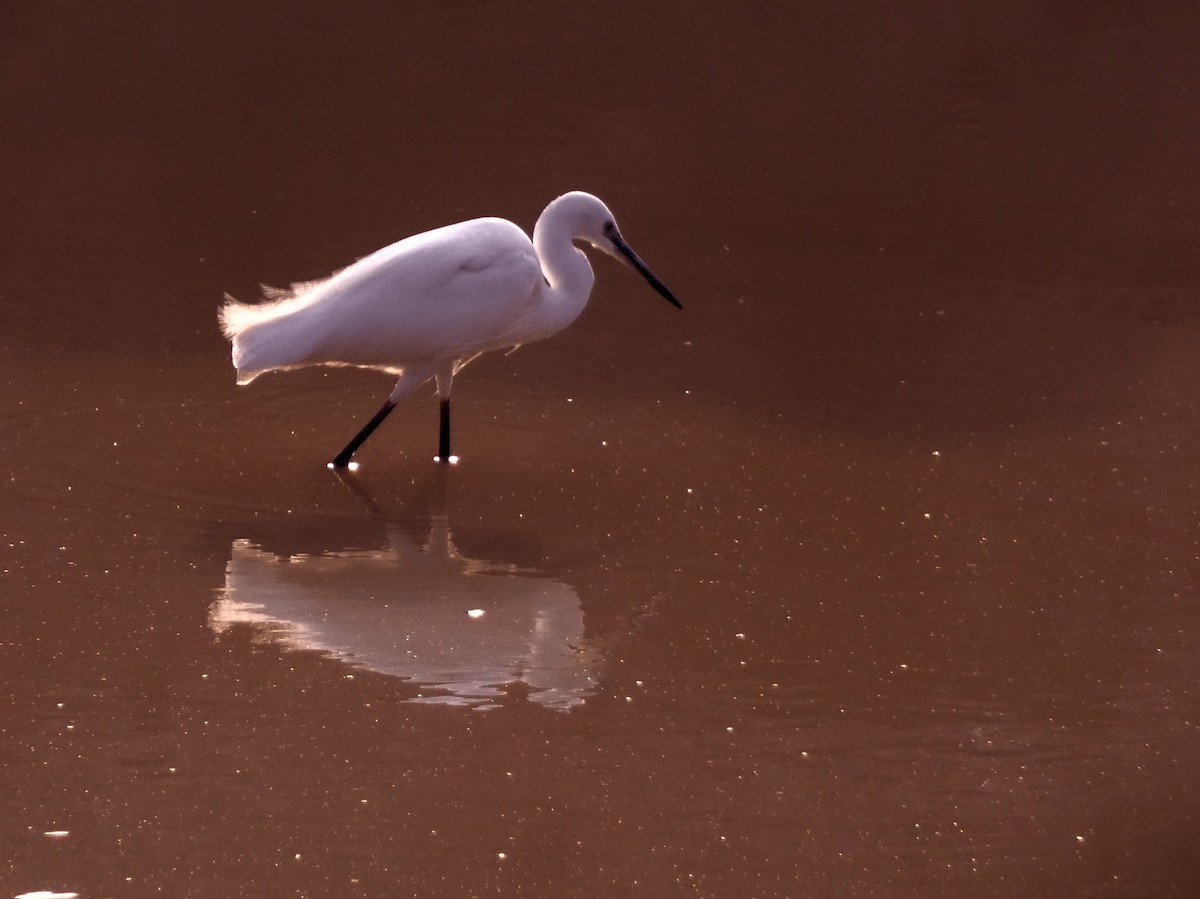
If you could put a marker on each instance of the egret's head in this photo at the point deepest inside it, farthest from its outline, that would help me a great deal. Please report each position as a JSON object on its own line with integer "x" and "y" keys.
{"x": 591, "y": 221}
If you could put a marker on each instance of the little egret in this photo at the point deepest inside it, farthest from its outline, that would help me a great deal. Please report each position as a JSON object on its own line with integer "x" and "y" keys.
{"x": 427, "y": 305}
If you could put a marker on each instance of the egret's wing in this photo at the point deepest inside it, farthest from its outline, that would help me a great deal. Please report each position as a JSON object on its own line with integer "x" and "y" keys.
{"x": 439, "y": 295}
{"x": 445, "y": 294}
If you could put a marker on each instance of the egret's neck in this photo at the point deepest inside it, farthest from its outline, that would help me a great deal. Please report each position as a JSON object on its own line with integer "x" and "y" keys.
{"x": 565, "y": 266}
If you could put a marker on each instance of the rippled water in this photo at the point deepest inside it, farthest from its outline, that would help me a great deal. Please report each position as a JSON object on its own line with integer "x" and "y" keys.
{"x": 871, "y": 573}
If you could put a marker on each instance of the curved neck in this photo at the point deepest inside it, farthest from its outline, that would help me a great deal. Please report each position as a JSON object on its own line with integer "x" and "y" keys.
{"x": 565, "y": 266}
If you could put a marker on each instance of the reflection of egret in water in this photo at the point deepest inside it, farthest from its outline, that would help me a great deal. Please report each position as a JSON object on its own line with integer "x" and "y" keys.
{"x": 428, "y": 614}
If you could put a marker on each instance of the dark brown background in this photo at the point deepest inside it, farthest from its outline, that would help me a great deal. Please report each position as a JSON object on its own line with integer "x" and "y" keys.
{"x": 886, "y": 545}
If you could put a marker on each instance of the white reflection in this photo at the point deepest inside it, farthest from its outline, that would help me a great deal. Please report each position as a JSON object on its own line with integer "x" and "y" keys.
{"x": 473, "y": 629}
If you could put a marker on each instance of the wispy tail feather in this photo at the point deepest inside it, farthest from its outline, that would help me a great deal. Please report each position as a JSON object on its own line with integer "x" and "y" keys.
{"x": 266, "y": 335}
{"x": 236, "y": 316}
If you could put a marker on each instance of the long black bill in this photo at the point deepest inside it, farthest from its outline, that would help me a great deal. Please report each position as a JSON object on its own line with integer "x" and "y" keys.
{"x": 623, "y": 248}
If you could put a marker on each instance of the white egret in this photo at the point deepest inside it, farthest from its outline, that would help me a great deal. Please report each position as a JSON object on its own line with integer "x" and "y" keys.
{"x": 427, "y": 305}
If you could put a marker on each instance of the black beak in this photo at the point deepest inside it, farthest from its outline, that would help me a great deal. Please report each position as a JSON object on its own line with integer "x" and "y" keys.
{"x": 623, "y": 248}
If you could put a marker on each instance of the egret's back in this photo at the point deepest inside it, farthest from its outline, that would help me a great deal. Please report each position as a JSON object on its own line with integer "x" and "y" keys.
{"x": 444, "y": 294}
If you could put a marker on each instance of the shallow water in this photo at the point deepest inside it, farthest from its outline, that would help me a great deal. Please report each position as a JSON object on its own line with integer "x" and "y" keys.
{"x": 873, "y": 572}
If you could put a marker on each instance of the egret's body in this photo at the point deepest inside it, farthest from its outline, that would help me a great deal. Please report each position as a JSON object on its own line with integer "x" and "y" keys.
{"x": 423, "y": 307}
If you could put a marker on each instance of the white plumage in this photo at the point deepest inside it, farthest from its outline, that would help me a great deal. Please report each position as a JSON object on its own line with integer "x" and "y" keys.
{"x": 426, "y": 305}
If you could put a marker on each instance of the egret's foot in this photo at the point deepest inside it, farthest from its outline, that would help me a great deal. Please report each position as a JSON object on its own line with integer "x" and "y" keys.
{"x": 341, "y": 464}
{"x": 448, "y": 460}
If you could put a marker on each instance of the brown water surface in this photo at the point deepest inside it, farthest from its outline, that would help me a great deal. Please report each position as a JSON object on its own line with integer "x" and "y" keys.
{"x": 872, "y": 573}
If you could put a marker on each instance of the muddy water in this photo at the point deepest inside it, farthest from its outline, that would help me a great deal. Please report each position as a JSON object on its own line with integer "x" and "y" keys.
{"x": 871, "y": 573}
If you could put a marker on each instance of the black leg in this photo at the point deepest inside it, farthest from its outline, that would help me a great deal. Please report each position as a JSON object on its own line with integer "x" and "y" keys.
{"x": 443, "y": 455}
{"x": 342, "y": 459}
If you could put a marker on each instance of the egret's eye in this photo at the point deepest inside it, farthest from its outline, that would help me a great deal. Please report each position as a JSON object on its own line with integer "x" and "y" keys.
{"x": 609, "y": 227}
